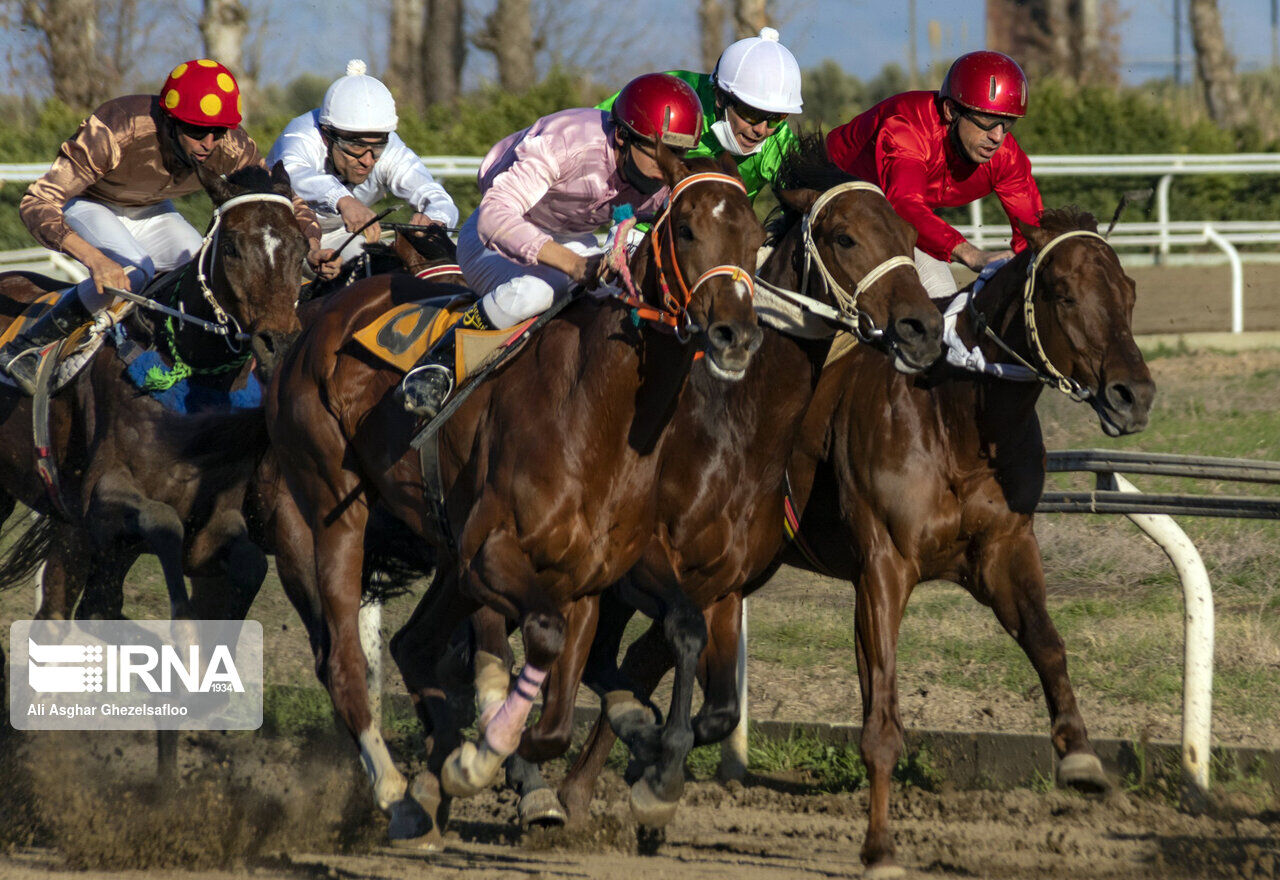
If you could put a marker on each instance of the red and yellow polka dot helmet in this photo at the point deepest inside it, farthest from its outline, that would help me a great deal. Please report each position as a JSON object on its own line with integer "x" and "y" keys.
{"x": 202, "y": 92}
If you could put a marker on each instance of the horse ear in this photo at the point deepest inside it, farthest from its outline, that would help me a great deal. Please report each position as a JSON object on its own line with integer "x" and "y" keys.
{"x": 1036, "y": 237}
{"x": 280, "y": 183}
{"x": 673, "y": 170}
{"x": 216, "y": 185}
{"x": 798, "y": 200}
{"x": 728, "y": 166}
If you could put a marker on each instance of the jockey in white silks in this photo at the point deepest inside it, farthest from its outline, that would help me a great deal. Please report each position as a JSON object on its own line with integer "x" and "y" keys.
{"x": 544, "y": 193}
{"x": 345, "y": 156}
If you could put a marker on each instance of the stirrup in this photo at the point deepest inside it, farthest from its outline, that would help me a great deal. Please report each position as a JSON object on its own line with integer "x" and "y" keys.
{"x": 424, "y": 389}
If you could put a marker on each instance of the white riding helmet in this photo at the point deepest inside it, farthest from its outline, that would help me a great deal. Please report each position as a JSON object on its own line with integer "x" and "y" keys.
{"x": 762, "y": 73}
{"x": 358, "y": 103}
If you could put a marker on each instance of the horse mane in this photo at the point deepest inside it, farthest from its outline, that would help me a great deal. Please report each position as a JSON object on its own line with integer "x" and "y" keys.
{"x": 1056, "y": 221}
{"x": 804, "y": 166}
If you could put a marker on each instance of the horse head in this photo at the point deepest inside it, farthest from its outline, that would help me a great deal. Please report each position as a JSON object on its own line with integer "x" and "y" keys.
{"x": 252, "y": 258}
{"x": 703, "y": 253}
{"x": 1080, "y": 319}
{"x": 848, "y": 246}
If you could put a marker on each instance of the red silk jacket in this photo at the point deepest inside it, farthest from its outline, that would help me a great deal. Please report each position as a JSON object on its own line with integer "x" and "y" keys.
{"x": 902, "y": 145}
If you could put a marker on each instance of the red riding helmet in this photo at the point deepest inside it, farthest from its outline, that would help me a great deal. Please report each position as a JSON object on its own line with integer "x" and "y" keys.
{"x": 989, "y": 82}
{"x": 202, "y": 92}
{"x": 659, "y": 104}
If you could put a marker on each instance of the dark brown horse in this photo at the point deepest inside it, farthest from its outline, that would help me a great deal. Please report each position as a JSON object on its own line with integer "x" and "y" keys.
{"x": 135, "y": 473}
{"x": 938, "y": 476}
{"x": 548, "y": 468}
{"x": 845, "y": 242}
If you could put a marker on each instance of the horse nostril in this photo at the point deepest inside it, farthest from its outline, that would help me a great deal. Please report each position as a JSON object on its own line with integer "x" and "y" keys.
{"x": 722, "y": 335}
{"x": 265, "y": 344}
{"x": 909, "y": 329}
{"x": 755, "y": 336}
{"x": 1120, "y": 396}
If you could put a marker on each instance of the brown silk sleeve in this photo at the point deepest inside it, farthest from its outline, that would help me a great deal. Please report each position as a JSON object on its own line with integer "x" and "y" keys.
{"x": 89, "y": 154}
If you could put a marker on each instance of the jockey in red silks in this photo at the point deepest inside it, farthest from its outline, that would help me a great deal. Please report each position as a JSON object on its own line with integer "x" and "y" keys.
{"x": 544, "y": 193}
{"x": 944, "y": 149}
{"x": 107, "y": 200}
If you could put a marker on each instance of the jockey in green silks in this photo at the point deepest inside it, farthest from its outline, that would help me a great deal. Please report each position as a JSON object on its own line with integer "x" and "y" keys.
{"x": 746, "y": 101}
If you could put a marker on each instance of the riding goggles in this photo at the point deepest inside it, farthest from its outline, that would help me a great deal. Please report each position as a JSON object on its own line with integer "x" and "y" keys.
{"x": 752, "y": 116}
{"x": 989, "y": 123}
{"x": 200, "y": 132}
{"x": 358, "y": 148}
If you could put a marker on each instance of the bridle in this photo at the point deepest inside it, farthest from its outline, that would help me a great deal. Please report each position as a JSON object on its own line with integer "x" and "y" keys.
{"x": 230, "y": 327}
{"x": 673, "y": 313}
{"x": 1046, "y": 372}
{"x": 847, "y": 314}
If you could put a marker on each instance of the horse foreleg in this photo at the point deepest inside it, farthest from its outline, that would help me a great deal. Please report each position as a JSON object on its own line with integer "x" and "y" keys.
{"x": 1011, "y": 581}
{"x": 718, "y": 671}
{"x": 117, "y": 511}
{"x": 882, "y": 593}
{"x": 502, "y": 572}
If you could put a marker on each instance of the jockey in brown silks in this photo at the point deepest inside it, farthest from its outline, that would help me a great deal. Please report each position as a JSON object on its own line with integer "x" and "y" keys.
{"x": 107, "y": 200}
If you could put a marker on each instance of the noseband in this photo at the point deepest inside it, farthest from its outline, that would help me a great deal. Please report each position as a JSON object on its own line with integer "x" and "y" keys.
{"x": 1047, "y": 372}
{"x": 848, "y": 302}
{"x": 674, "y": 311}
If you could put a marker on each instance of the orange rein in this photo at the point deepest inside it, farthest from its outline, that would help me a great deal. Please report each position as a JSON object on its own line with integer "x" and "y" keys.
{"x": 675, "y": 311}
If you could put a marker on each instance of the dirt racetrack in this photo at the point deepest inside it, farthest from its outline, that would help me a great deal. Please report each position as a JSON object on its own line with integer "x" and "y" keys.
{"x": 251, "y": 807}
{"x": 78, "y": 806}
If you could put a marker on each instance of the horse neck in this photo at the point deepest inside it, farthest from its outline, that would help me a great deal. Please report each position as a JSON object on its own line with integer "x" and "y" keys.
{"x": 196, "y": 346}
{"x": 1000, "y": 304}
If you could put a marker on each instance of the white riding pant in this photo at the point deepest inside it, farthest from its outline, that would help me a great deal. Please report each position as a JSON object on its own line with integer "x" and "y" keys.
{"x": 146, "y": 240}
{"x": 935, "y": 275}
{"x": 509, "y": 291}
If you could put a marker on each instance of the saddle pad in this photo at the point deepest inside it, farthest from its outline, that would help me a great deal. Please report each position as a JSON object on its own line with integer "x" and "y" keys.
{"x": 403, "y": 334}
{"x": 29, "y": 316}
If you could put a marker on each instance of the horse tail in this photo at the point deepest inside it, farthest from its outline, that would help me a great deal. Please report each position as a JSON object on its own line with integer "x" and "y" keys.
{"x": 26, "y": 554}
{"x": 394, "y": 557}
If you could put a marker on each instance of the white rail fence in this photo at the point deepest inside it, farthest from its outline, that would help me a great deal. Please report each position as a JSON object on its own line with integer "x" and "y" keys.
{"x": 1162, "y": 234}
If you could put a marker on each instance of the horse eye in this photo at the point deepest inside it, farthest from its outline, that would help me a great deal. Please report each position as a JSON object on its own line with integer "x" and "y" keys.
{"x": 844, "y": 241}
{"x": 685, "y": 232}
{"x": 229, "y": 248}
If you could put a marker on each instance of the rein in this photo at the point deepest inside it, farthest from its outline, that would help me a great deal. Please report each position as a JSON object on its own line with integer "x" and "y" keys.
{"x": 1046, "y": 373}
{"x": 436, "y": 271}
{"x": 674, "y": 311}
{"x": 848, "y": 315}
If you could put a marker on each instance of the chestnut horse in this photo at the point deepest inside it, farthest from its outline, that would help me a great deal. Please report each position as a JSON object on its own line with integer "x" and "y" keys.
{"x": 939, "y": 477}
{"x": 548, "y": 470}
{"x": 135, "y": 473}
{"x": 713, "y": 542}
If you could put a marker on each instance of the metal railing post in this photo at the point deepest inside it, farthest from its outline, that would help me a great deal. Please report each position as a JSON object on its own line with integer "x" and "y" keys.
{"x": 1237, "y": 276}
{"x": 1162, "y": 212}
{"x": 1197, "y": 662}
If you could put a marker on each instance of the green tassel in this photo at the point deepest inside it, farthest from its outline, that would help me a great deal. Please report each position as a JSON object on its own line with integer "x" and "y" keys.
{"x": 161, "y": 379}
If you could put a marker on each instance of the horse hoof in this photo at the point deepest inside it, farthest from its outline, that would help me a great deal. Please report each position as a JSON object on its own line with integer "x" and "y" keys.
{"x": 411, "y": 827}
{"x": 469, "y": 770}
{"x": 649, "y": 809}
{"x": 542, "y": 809}
{"x": 888, "y": 871}
{"x": 1083, "y": 772}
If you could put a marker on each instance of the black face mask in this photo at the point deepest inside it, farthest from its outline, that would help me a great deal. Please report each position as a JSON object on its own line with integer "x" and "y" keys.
{"x": 631, "y": 174}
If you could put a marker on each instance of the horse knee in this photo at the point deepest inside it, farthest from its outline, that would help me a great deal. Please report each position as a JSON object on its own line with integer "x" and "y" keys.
{"x": 685, "y": 629}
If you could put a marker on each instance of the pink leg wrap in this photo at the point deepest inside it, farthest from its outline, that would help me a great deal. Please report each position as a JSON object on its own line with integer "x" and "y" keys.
{"x": 503, "y": 732}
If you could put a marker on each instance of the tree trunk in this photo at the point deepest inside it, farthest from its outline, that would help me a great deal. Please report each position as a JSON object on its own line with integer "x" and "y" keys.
{"x": 406, "y": 52}
{"x": 748, "y": 17}
{"x": 1215, "y": 65}
{"x": 711, "y": 22}
{"x": 69, "y": 46}
{"x": 224, "y": 26}
{"x": 508, "y": 34}
{"x": 445, "y": 51}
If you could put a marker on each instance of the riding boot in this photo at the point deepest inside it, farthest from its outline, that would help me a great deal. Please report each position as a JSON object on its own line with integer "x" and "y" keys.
{"x": 18, "y": 357}
{"x": 426, "y": 387}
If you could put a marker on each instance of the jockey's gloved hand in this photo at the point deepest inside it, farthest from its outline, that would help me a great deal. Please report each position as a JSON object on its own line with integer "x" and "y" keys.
{"x": 593, "y": 269}
{"x": 325, "y": 262}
